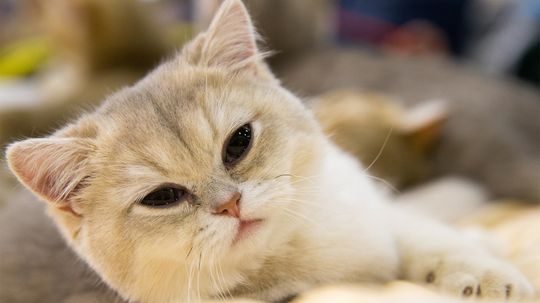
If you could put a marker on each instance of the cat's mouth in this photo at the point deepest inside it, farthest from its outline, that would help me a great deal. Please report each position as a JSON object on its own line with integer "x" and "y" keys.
{"x": 246, "y": 228}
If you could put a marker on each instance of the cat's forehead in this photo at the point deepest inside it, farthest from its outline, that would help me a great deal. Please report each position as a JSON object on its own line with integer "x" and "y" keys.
{"x": 173, "y": 119}
{"x": 179, "y": 99}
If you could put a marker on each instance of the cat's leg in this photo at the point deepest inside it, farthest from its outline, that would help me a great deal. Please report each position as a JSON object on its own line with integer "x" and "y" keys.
{"x": 436, "y": 254}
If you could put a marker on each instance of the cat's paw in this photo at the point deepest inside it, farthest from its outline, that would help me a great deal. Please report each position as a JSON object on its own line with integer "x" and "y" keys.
{"x": 475, "y": 276}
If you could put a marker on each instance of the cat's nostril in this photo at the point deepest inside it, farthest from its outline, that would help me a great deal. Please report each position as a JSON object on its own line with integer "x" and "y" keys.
{"x": 229, "y": 207}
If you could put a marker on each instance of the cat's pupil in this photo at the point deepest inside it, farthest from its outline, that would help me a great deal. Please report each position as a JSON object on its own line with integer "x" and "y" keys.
{"x": 237, "y": 145}
{"x": 163, "y": 197}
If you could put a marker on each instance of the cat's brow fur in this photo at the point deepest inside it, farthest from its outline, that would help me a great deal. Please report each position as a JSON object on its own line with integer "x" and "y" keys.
{"x": 322, "y": 219}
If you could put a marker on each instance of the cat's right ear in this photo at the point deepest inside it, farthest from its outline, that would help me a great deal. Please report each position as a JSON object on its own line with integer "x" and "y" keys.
{"x": 52, "y": 168}
{"x": 230, "y": 43}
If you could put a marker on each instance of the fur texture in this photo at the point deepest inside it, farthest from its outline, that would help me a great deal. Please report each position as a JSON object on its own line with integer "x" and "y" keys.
{"x": 322, "y": 218}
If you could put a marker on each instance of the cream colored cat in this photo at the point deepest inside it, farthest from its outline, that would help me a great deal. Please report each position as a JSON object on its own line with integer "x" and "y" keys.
{"x": 207, "y": 179}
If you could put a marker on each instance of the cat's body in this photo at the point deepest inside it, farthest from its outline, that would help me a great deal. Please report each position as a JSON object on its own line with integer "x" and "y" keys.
{"x": 208, "y": 179}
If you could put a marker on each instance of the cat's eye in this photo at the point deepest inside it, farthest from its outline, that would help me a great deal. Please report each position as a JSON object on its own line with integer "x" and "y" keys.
{"x": 237, "y": 146}
{"x": 164, "y": 197}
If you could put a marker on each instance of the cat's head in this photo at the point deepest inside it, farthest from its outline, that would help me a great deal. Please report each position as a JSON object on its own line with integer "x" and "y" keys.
{"x": 187, "y": 180}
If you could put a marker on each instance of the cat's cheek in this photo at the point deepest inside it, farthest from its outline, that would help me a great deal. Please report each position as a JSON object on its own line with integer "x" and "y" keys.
{"x": 308, "y": 155}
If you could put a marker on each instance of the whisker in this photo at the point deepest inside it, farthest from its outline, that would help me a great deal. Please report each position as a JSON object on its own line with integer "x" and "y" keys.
{"x": 190, "y": 279}
{"x": 215, "y": 278}
{"x": 380, "y": 150}
{"x": 395, "y": 190}
{"x": 284, "y": 203}
{"x": 190, "y": 250}
{"x": 283, "y": 175}
{"x": 298, "y": 215}
{"x": 220, "y": 271}
{"x": 199, "y": 278}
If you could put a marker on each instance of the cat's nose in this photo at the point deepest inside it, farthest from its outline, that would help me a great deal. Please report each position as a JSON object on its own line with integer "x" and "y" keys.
{"x": 229, "y": 206}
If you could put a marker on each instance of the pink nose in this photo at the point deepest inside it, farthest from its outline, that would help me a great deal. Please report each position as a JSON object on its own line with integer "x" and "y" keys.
{"x": 229, "y": 207}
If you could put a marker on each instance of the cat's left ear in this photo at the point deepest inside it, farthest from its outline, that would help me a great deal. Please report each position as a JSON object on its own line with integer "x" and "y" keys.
{"x": 52, "y": 168}
{"x": 230, "y": 42}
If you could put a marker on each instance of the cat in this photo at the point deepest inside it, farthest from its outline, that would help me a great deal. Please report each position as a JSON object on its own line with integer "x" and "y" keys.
{"x": 373, "y": 115}
{"x": 207, "y": 179}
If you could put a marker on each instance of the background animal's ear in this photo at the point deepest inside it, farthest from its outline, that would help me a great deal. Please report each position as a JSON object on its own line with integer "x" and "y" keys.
{"x": 52, "y": 168}
{"x": 229, "y": 42}
{"x": 423, "y": 124}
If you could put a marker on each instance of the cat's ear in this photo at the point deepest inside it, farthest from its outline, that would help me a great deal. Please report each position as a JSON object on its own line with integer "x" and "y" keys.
{"x": 423, "y": 123}
{"x": 229, "y": 42}
{"x": 52, "y": 167}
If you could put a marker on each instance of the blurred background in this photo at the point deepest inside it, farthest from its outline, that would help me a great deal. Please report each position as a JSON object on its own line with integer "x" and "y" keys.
{"x": 418, "y": 90}
{"x": 498, "y": 36}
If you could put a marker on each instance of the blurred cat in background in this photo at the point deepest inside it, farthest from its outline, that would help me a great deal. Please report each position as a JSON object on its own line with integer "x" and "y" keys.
{"x": 394, "y": 142}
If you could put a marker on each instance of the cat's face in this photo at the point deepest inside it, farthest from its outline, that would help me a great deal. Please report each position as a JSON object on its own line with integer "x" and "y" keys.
{"x": 176, "y": 137}
{"x": 183, "y": 183}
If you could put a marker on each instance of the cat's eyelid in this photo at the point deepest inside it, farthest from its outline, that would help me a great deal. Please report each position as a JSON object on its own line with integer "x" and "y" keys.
{"x": 141, "y": 210}
{"x": 142, "y": 192}
{"x": 137, "y": 208}
{"x": 165, "y": 185}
